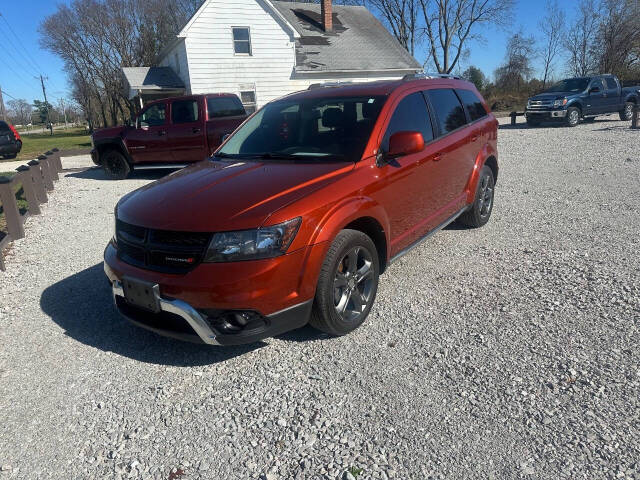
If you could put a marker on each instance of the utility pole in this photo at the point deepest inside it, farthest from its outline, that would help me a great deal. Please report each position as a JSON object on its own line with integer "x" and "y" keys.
{"x": 64, "y": 111}
{"x": 46, "y": 104}
{"x": 3, "y": 114}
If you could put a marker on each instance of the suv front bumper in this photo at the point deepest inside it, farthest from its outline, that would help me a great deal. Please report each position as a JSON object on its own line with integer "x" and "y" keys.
{"x": 200, "y": 306}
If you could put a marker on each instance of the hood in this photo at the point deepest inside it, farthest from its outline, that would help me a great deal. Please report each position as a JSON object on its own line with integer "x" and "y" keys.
{"x": 552, "y": 96}
{"x": 213, "y": 196}
{"x": 110, "y": 132}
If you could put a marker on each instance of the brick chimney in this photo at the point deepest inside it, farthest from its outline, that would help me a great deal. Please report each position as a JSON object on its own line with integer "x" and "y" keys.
{"x": 326, "y": 12}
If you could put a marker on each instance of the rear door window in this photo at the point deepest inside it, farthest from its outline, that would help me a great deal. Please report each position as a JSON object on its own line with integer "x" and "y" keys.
{"x": 411, "y": 115}
{"x": 184, "y": 111}
{"x": 473, "y": 104}
{"x": 447, "y": 109}
{"x": 611, "y": 83}
{"x": 224, "y": 107}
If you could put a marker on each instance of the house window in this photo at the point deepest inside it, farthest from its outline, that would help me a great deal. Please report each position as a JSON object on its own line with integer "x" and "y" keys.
{"x": 241, "y": 40}
{"x": 248, "y": 98}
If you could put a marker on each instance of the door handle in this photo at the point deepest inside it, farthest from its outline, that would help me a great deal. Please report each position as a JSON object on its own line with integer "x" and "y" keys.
{"x": 196, "y": 130}
{"x": 161, "y": 133}
{"x": 474, "y": 138}
{"x": 437, "y": 157}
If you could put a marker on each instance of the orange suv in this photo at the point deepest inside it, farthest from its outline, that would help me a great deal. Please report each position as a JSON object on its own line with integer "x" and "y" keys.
{"x": 298, "y": 213}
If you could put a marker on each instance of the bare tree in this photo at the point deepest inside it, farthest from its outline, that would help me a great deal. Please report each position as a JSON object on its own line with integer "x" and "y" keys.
{"x": 517, "y": 69}
{"x": 450, "y": 24}
{"x": 552, "y": 27}
{"x": 581, "y": 39}
{"x": 19, "y": 111}
{"x": 618, "y": 41}
{"x": 401, "y": 16}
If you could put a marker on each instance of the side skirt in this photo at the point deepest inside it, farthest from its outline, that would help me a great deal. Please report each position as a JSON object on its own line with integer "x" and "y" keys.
{"x": 155, "y": 166}
{"x": 421, "y": 240}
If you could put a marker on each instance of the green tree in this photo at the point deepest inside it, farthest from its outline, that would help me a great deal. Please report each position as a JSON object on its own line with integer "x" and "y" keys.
{"x": 42, "y": 109}
{"x": 475, "y": 76}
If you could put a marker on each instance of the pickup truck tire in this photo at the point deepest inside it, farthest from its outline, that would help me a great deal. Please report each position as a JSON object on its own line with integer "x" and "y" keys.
{"x": 347, "y": 284}
{"x": 480, "y": 211}
{"x": 626, "y": 113}
{"x": 115, "y": 165}
{"x": 573, "y": 116}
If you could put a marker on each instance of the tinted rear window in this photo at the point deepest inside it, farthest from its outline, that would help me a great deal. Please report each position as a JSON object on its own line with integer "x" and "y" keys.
{"x": 473, "y": 104}
{"x": 411, "y": 115}
{"x": 448, "y": 109}
{"x": 224, "y": 107}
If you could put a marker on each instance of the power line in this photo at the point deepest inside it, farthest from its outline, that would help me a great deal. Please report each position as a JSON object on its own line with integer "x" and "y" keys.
{"x": 16, "y": 73}
{"x": 17, "y": 62}
{"x": 30, "y": 58}
{"x": 4, "y": 92}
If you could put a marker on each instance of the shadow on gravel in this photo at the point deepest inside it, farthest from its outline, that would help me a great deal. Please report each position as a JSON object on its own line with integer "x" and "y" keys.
{"x": 97, "y": 173}
{"x": 304, "y": 334}
{"x": 83, "y": 306}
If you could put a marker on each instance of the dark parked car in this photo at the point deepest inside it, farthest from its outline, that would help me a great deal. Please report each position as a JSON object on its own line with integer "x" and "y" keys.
{"x": 301, "y": 209}
{"x": 584, "y": 98}
{"x": 10, "y": 141}
{"x": 168, "y": 133}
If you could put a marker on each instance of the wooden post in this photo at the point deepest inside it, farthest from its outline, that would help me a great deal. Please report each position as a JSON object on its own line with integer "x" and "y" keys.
{"x": 46, "y": 174}
{"x": 38, "y": 181}
{"x": 635, "y": 118}
{"x": 47, "y": 163}
{"x": 28, "y": 185}
{"x": 513, "y": 118}
{"x": 15, "y": 227}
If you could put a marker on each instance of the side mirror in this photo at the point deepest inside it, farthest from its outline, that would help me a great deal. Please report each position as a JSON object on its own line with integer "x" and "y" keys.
{"x": 594, "y": 90}
{"x": 405, "y": 143}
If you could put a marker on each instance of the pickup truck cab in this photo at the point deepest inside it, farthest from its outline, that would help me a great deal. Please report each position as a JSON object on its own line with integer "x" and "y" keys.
{"x": 168, "y": 133}
{"x": 584, "y": 98}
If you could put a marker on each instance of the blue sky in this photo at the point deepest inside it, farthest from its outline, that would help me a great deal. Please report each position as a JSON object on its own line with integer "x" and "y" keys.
{"x": 21, "y": 57}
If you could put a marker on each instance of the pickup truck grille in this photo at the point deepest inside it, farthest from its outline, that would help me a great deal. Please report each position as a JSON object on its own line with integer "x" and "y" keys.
{"x": 540, "y": 104}
{"x": 160, "y": 250}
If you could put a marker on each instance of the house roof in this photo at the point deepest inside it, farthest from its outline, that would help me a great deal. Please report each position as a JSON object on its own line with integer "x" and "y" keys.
{"x": 151, "y": 78}
{"x": 358, "y": 42}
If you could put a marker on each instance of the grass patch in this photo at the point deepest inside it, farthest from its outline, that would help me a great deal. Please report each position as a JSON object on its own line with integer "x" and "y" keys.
{"x": 36, "y": 144}
{"x": 23, "y": 205}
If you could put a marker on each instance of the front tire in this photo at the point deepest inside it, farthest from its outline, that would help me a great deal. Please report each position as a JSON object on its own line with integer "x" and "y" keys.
{"x": 115, "y": 165}
{"x": 626, "y": 113}
{"x": 480, "y": 211}
{"x": 573, "y": 117}
{"x": 347, "y": 285}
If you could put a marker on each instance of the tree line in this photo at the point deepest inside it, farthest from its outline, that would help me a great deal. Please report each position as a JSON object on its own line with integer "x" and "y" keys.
{"x": 96, "y": 38}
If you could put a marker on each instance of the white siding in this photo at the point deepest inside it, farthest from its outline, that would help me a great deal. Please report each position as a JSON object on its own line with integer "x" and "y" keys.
{"x": 213, "y": 66}
{"x": 182, "y": 71}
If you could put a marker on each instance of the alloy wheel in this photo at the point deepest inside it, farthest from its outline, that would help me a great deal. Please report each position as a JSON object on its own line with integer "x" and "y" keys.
{"x": 628, "y": 111}
{"x": 574, "y": 117}
{"x": 353, "y": 284}
{"x": 486, "y": 196}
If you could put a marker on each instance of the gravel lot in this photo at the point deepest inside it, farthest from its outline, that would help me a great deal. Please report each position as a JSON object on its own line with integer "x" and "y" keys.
{"x": 504, "y": 352}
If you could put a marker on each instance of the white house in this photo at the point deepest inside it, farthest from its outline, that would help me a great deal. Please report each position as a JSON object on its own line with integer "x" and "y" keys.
{"x": 262, "y": 49}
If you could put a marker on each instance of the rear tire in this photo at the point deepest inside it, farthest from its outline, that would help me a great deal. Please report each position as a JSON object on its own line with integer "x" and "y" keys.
{"x": 115, "y": 165}
{"x": 10, "y": 157}
{"x": 573, "y": 117}
{"x": 480, "y": 211}
{"x": 347, "y": 284}
{"x": 626, "y": 113}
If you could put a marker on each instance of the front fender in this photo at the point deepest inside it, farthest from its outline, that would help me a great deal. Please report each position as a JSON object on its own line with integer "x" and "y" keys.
{"x": 344, "y": 213}
{"x": 487, "y": 151}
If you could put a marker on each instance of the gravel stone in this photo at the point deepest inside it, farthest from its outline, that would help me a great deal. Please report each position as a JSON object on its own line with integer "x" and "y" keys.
{"x": 501, "y": 352}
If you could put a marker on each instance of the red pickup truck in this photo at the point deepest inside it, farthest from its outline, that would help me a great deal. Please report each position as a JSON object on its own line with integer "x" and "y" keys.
{"x": 168, "y": 133}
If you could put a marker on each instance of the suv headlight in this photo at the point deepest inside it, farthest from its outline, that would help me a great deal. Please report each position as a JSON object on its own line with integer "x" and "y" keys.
{"x": 560, "y": 103}
{"x": 265, "y": 242}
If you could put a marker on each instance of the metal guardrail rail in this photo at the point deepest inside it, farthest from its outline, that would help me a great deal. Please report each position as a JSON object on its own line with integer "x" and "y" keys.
{"x": 37, "y": 178}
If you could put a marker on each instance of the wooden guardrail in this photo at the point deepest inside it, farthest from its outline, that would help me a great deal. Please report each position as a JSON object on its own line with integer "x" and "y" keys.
{"x": 36, "y": 178}
{"x": 513, "y": 116}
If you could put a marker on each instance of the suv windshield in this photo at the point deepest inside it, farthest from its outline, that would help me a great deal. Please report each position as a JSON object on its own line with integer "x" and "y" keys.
{"x": 320, "y": 129}
{"x": 571, "y": 85}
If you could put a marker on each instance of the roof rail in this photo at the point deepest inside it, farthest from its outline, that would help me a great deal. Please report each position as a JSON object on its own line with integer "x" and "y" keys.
{"x": 313, "y": 86}
{"x": 429, "y": 75}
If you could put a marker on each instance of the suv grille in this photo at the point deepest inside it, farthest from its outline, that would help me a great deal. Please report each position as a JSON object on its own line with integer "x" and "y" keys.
{"x": 161, "y": 250}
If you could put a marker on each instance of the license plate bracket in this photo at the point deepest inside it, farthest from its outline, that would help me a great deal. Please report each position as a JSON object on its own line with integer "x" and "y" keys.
{"x": 141, "y": 294}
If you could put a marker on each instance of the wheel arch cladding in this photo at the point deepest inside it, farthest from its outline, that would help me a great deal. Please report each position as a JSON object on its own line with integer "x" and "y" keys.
{"x": 372, "y": 228}
{"x": 117, "y": 145}
{"x": 492, "y": 163}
